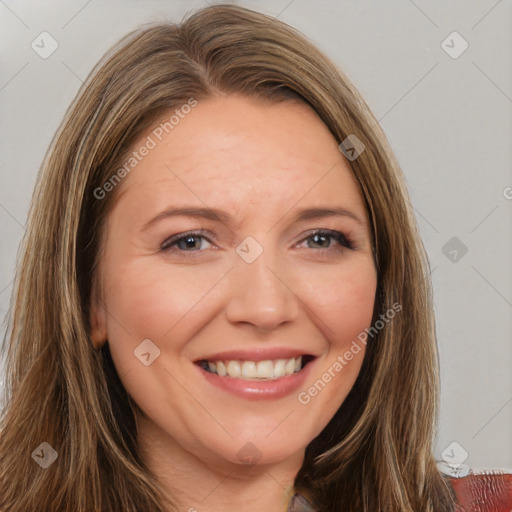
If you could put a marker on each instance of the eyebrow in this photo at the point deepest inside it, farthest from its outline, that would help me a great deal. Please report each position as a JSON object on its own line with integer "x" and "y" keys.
{"x": 226, "y": 218}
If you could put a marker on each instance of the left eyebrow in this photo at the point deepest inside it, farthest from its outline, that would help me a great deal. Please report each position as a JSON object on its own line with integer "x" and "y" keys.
{"x": 225, "y": 217}
{"x": 318, "y": 213}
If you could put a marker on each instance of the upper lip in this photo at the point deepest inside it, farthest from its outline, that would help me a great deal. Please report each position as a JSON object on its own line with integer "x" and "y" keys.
{"x": 262, "y": 354}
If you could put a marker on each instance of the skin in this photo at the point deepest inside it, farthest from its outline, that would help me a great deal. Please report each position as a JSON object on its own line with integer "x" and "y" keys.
{"x": 261, "y": 163}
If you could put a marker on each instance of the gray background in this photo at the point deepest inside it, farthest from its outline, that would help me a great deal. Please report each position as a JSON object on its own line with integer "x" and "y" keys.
{"x": 448, "y": 120}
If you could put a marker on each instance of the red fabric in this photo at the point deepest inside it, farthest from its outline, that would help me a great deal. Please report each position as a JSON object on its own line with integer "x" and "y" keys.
{"x": 483, "y": 493}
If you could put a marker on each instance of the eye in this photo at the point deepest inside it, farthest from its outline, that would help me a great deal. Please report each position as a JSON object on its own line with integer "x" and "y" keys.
{"x": 186, "y": 242}
{"x": 321, "y": 240}
{"x": 324, "y": 237}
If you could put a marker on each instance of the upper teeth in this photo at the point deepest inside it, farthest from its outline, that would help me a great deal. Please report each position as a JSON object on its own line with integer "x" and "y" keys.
{"x": 269, "y": 369}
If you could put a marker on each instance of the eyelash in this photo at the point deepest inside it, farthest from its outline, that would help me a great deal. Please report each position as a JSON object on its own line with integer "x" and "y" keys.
{"x": 344, "y": 241}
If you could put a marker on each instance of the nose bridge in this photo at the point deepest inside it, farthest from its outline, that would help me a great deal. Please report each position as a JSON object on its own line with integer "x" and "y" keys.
{"x": 259, "y": 293}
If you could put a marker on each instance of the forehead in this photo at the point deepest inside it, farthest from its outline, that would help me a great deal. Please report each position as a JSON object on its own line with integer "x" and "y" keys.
{"x": 241, "y": 151}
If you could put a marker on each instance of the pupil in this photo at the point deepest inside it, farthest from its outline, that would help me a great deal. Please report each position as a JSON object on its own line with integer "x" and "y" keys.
{"x": 190, "y": 242}
{"x": 321, "y": 237}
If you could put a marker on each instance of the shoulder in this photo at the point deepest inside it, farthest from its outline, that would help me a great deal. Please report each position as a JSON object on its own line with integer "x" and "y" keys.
{"x": 483, "y": 492}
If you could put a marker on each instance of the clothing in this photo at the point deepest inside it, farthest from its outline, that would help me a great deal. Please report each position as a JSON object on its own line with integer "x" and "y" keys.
{"x": 474, "y": 493}
{"x": 299, "y": 503}
{"x": 483, "y": 493}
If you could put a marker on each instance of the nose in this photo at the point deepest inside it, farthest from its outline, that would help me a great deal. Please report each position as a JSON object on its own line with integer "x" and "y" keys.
{"x": 261, "y": 295}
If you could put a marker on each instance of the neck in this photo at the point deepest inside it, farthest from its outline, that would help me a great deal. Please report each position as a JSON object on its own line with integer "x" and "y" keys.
{"x": 199, "y": 483}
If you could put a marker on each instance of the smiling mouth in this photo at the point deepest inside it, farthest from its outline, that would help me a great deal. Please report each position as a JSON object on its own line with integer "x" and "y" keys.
{"x": 270, "y": 369}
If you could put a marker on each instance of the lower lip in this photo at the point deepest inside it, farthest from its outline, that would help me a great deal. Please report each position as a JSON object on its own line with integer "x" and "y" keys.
{"x": 259, "y": 390}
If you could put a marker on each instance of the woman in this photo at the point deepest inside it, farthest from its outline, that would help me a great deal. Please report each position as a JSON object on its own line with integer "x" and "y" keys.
{"x": 259, "y": 369}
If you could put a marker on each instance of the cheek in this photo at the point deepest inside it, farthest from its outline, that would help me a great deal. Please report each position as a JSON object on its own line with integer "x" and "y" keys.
{"x": 343, "y": 306}
{"x": 344, "y": 302}
{"x": 149, "y": 301}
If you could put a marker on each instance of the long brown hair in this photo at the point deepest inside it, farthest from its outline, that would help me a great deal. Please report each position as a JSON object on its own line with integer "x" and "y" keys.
{"x": 375, "y": 454}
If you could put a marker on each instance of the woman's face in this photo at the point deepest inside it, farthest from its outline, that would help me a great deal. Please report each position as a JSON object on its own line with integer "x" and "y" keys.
{"x": 187, "y": 296}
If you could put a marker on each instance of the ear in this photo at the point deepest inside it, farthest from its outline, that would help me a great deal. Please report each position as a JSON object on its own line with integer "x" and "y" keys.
{"x": 98, "y": 319}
